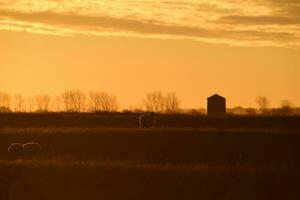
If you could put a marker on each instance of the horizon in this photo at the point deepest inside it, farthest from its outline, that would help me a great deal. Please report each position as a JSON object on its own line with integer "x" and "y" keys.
{"x": 58, "y": 103}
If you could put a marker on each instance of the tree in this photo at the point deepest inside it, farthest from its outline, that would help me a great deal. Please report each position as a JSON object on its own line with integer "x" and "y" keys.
{"x": 18, "y": 103}
{"x": 263, "y": 104}
{"x": 5, "y": 100}
{"x": 155, "y": 102}
{"x": 251, "y": 111}
{"x": 5, "y": 110}
{"x": 286, "y": 107}
{"x": 171, "y": 102}
{"x": 56, "y": 103}
{"x": 43, "y": 103}
{"x": 102, "y": 101}
{"x": 74, "y": 100}
{"x": 286, "y": 103}
{"x": 30, "y": 102}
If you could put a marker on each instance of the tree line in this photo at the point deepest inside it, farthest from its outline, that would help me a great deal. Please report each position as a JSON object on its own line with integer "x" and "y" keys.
{"x": 263, "y": 103}
{"x": 78, "y": 101}
{"x": 99, "y": 101}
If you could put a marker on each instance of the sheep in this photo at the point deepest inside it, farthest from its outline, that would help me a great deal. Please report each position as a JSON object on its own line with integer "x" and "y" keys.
{"x": 147, "y": 120}
{"x": 15, "y": 150}
{"x": 32, "y": 149}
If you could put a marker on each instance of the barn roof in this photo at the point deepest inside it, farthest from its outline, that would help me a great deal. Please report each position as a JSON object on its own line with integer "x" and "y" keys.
{"x": 216, "y": 96}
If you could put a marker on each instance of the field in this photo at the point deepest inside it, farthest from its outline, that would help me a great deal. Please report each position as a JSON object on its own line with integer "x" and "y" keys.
{"x": 106, "y": 156}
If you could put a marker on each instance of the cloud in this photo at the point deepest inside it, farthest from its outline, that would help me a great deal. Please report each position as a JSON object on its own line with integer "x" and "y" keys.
{"x": 136, "y": 26}
{"x": 105, "y": 22}
{"x": 259, "y": 20}
{"x": 249, "y": 23}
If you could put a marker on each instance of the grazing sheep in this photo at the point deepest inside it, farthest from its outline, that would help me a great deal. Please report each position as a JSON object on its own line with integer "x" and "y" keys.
{"x": 32, "y": 149}
{"x": 15, "y": 150}
{"x": 147, "y": 120}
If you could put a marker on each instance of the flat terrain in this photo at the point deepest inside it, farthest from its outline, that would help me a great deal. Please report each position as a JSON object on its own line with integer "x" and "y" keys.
{"x": 237, "y": 158}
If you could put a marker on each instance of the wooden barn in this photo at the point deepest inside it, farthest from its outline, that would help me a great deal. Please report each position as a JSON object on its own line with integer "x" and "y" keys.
{"x": 216, "y": 106}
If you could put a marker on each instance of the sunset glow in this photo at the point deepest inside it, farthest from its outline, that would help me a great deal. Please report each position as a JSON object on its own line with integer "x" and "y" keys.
{"x": 234, "y": 22}
{"x": 240, "y": 49}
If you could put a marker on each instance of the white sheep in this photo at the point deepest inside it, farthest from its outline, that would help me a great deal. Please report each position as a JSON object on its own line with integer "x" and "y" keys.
{"x": 15, "y": 150}
{"x": 147, "y": 120}
{"x": 32, "y": 149}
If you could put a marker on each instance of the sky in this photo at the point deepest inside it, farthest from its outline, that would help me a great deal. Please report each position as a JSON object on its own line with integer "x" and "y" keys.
{"x": 240, "y": 49}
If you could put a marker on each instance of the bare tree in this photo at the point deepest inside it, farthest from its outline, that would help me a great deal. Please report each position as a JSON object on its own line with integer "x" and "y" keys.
{"x": 171, "y": 102}
{"x": 251, "y": 111}
{"x": 263, "y": 104}
{"x": 286, "y": 103}
{"x": 5, "y": 100}
{"x": 57, "y": 103}
{"x": 30, "y": 102}
{"x": 18, "y": 103}
{"x": 74, "y": 100}
{"x": 95, "y": 101}
{"x": 155, "y": 102}
{"x": 286, "y": 107}
{"x": 102, "y": 101}
{"x": 43, "y": 103}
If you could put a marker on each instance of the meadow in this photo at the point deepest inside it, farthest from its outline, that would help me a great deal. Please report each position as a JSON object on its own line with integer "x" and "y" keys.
{"x": 107, "y": 156}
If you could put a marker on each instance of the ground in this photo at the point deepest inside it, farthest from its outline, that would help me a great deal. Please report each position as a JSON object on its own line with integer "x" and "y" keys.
{"x": 239, "y": 159}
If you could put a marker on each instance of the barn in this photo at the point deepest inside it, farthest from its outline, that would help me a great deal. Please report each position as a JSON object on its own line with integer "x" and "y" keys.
{"x": 216, "y": 106}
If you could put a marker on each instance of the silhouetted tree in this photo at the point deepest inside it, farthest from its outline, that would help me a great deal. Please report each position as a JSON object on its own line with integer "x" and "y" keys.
{"x": 250, "y": 111}
{"x": 74, "y": 101}
{"x": 286, "y": 103}
{"x": 5, "y": 100}
{"x": 102, "y": 101}
{"x": 57, "y": 103}
{"x": 18, "y": 103}
{"x": 171, "y": 102}
{"x": 5, "y": 110}
{"x": 263, "y": 104}
{"x": 155, "y": 102}
{"x": 238, "y": 110}
{"x": 286, "y": 107}
{"x": 30, "y": 102}
{"x": 43, "y": 103}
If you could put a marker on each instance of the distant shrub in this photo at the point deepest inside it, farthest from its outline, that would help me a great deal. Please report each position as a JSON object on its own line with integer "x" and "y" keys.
{"x": 5, "y": 110}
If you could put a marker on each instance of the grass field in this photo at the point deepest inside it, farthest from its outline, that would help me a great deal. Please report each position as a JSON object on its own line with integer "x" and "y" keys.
{"x": 240, "y": 161}
{"x": 57, "y": 179}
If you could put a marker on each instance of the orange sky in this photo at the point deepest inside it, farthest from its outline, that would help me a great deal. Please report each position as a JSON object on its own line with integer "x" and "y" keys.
{"x": 238, "y": 50}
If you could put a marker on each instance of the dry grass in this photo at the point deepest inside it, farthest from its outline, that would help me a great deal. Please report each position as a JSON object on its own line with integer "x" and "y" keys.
{"x": 97, "y": 162}
{"x": 60, "y": 179}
